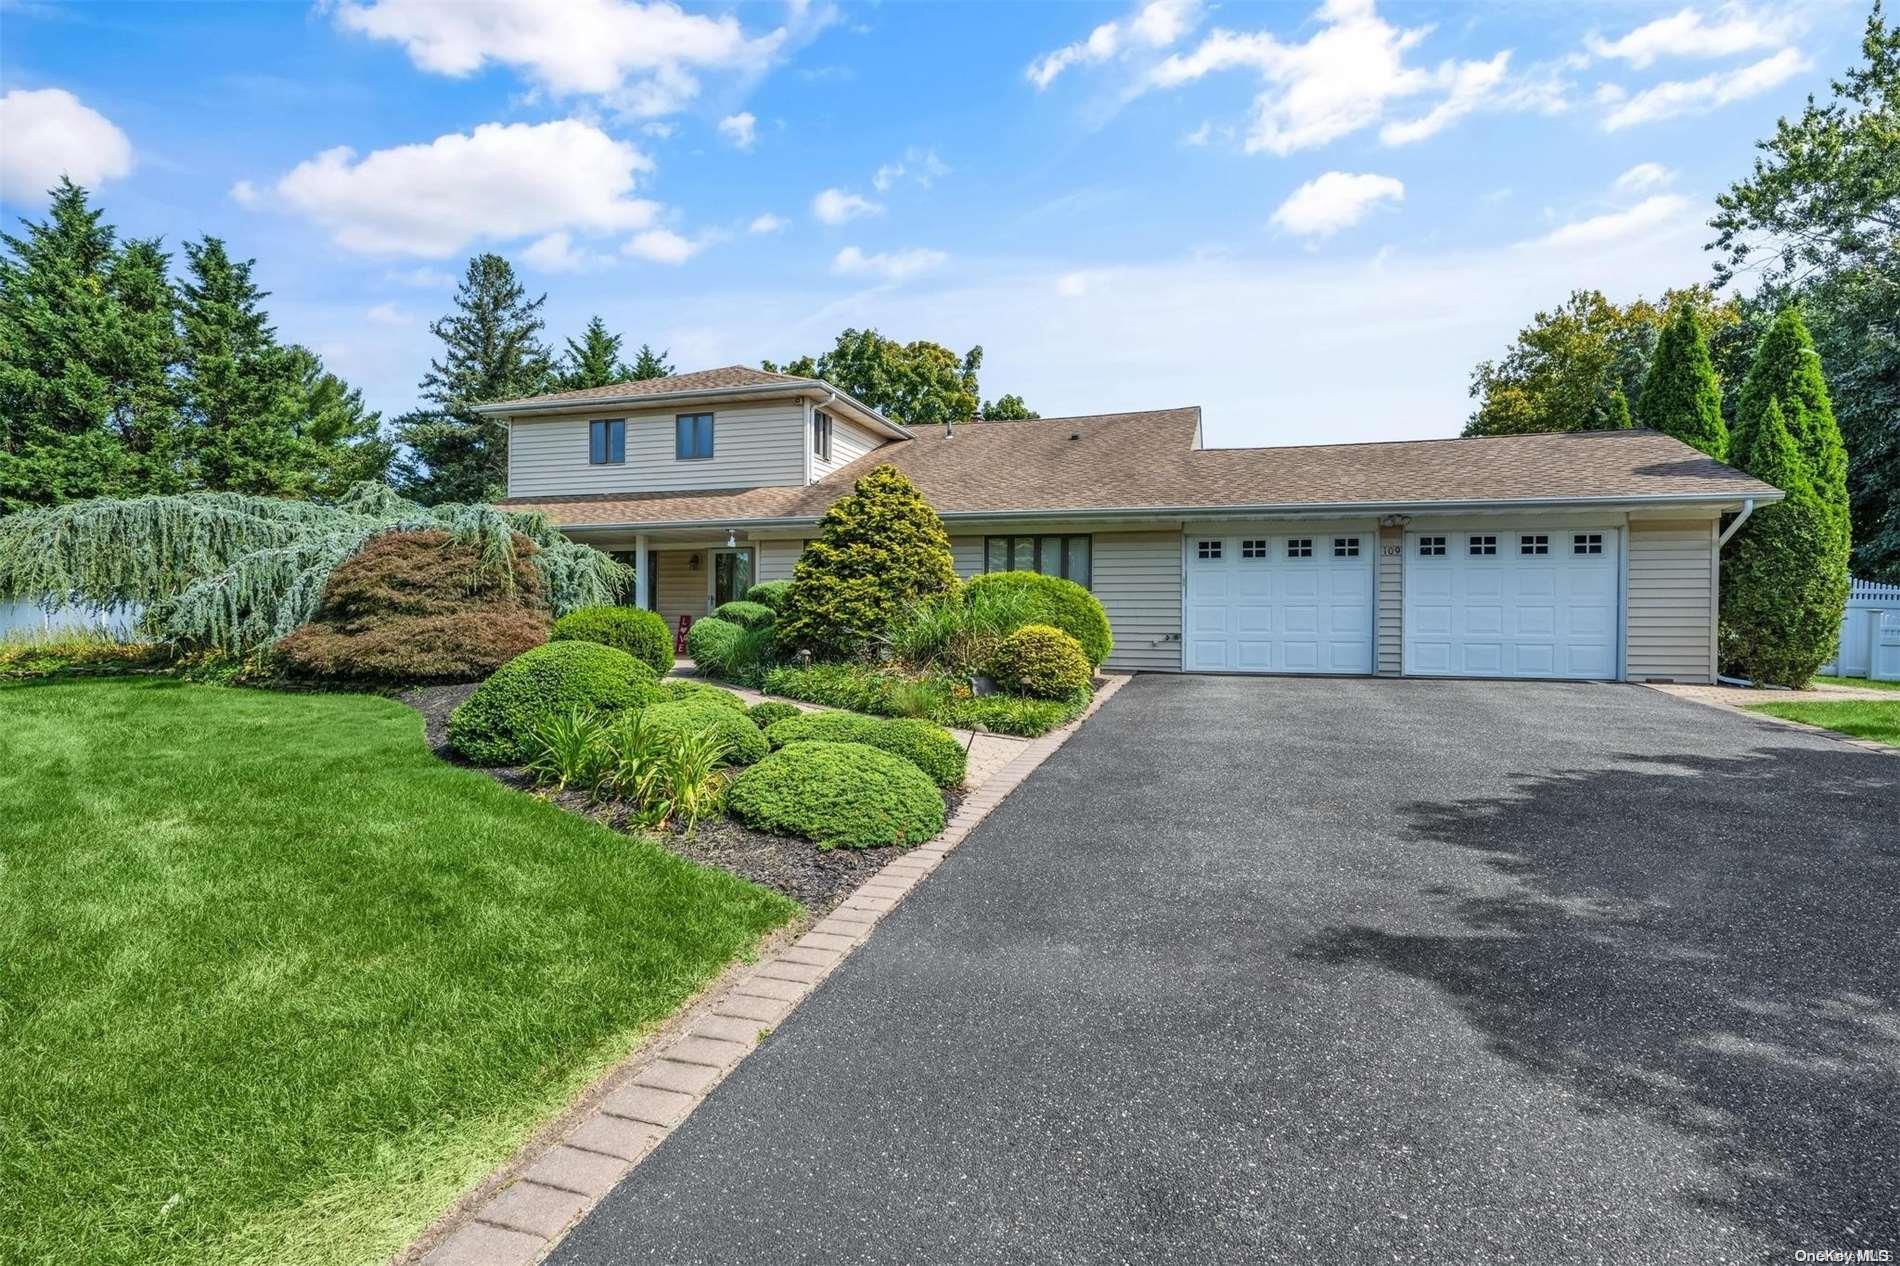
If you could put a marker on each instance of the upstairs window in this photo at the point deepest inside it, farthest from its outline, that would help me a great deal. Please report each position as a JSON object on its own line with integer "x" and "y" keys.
{"x": 1299, "y": 547}
{"x": 607, "y": 441}
{"x": 1256, "y": 548}
{"x": 693, "y": 437}
{"x": 1483, "y": 546}
{"x": 821, "y": 436}
{"x": 1587, "y": 543}
{"x": 1345, "y": 547}
{"x": 1530, "y": 545}
{"x": 1066, "y": 556}
{"x": 1431, "y": 547}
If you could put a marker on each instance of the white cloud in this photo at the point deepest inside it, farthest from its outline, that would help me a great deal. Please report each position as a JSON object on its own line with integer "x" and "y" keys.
{"x": 639, "y": 58}
{"x": 1645, "y": 176}
{"x": 657, "y": 130}
{"x": 1699, "y": 96}
{"x": 835, "y": 206}
{"x": 1080, "y": 282}
{"x": 893, "y": 266}
{"x": 386, "y": 314}
{"x": 1154, "y": 25}
{"x": 1337, "y": 200}
{"x": 767, "y": 223}
{"x": 1346, "y": 77}
{"x": 663, "y": 246}
{"x": 421, "y": 278}
{"x": 50, "y": 133}
{"x": 1686, "y": 34}
{"x": 498, "y": 183}
{"x": 245, "y": 194}
{"x": 556, "y": 253}
{"x": 741, "y": 129}
{"x": 921, "y": 166}
{"x": 1647, "y": 216}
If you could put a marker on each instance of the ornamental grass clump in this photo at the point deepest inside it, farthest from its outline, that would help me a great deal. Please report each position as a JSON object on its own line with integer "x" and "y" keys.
{"x": 642, "y": 634}
{"x": 1043, "y": 662}
{"x": 931, "y": 748}
{"x": 496, "y": 724}
{"x": 1051, "y": 600}
{"x": 839, "y": 795}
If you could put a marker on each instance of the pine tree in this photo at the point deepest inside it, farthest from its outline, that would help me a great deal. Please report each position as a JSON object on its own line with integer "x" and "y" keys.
{"x": 492, "y": 350}
{"x": 1681, "y": 395}
{"x": 1784, "y": 583}
{"x": 143, "y": 348}
{"x": 342, "y": 442}
{"x": 1787, "y": 370}
{"x": 651, "y": 364}
{"x": 1617, "y": 414}
{"x": 594, "y": 360}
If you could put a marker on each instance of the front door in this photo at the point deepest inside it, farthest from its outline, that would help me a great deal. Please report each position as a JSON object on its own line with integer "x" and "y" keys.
{"x": 731, "y": 575}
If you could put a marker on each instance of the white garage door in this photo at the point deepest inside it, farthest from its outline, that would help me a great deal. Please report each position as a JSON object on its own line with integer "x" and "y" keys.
{"x": 1507, "y": 603}
{"x": 1279, "y": 604}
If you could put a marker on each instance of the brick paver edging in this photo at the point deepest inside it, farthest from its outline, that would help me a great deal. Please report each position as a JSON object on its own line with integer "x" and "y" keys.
{"x": 1709, "y": 700}
{"x": 530, "y": 1210}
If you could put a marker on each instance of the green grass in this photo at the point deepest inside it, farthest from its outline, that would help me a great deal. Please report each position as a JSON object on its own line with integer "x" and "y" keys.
{"x": 1863, "y": 718}
{"x": 1863, "y": 683}
{"x": 276, "y": 983}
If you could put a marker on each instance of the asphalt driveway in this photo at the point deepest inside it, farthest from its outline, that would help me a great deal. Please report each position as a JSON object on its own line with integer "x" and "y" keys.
{"x": 1281, "y": 970}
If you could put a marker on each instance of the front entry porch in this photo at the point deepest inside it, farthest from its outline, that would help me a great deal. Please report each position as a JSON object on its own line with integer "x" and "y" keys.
{"x": 680, "y": 575}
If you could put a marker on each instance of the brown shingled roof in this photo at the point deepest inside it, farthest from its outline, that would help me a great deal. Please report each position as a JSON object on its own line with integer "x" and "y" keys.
{"x": 1147, "y": 461}
{"x": 727, "y": 378}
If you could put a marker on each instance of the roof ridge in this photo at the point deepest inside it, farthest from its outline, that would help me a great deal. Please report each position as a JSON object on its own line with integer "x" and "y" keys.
{"x": 1432, "y": 439}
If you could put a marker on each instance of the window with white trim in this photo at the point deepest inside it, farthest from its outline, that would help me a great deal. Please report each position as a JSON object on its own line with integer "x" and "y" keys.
{"x": 1528, "y": 545}
{"x": 1207, "y": 549}
{"x": 1586, "y": 543}
{"x": 1254, "y": 548}
{"x": 1345, "y": 547}
{"x": 1482, "y": 546}
{"x": 1299, "y": 547}
{"x": 1431, "y": 547}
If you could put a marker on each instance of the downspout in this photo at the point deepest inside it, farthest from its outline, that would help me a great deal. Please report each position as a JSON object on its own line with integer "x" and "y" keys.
{"x": 1748, "y": 508}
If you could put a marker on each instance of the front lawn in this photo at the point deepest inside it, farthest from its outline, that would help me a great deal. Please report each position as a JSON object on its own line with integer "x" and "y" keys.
{"x": 276, "y": 983}
{"x": 1863, "y": 718}
{"x": 1859, "y": 683}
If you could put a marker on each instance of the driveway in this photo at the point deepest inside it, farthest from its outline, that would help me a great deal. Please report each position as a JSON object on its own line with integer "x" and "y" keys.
{"x": 1282, "y": 970}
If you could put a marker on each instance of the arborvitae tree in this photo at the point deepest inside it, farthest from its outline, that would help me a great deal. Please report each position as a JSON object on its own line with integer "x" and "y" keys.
{"x": 1787, "y": 370}
{"x": 593, "y": 360}
{"x": 240, "y": 387}
{"x": 492, "y": 350}
{"x": 651, "y": 364}
{"x": 878, "y": 551}
{"x": 1784, "y": 582}
{"x": 1681, "y": 395}
{"x": 1008, "y": 409}
{"x": 1617, "y": 416}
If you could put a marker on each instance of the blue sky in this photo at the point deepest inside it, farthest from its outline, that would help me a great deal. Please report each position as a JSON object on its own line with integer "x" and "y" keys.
{"x": 1309, "y": 218}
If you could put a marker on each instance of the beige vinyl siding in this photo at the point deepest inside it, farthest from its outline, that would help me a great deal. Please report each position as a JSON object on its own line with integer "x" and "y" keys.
{"x": 1672, "y": 598}
{"x": 679, "y": 589}
{"x": 1137, "y": 578}
{"x": 1389, "y": 604}
{"x": 757, "y": 445}
{"x": 776, "y": 558}
{"x": 849, "y": 441}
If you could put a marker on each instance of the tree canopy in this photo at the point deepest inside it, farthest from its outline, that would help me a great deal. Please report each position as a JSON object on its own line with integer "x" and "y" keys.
{"x": 592, "y": 360}
{"x": 916, "y": 383}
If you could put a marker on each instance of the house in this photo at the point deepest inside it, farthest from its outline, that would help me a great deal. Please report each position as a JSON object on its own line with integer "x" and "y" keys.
{"x": 1589, "y": 555}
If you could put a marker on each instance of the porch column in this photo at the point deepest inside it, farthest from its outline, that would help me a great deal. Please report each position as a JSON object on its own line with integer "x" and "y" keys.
{"x": 642, "y": 583}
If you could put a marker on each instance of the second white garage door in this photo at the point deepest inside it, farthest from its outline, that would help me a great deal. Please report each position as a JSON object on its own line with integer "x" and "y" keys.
{"x": 1279, "y": 604}
{"x": 1505, "y": 603}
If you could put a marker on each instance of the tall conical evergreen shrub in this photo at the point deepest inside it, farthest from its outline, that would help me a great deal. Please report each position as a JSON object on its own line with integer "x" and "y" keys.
{"x": 1787, "y": 370}
{"x": 1681, "y": 394}
{"x": 878, "y": 551}
{"x": 1784, "y": 582}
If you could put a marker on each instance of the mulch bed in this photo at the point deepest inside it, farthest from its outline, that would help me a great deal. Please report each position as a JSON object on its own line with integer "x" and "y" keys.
{"x": 816, "y": 878}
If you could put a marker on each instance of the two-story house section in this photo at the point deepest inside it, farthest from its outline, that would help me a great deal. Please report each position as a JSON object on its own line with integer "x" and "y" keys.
{"x": 1591, "y": 555}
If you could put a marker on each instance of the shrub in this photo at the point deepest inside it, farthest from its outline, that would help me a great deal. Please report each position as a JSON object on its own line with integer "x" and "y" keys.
{"x": 642, "y": 634}
{"x": 496, "y": 724}
{"x": 569, "y": 749}
{"x": 661, "y": 772}
{"x": 765, "y": 715}
{"x": 769, "y": 593}
{"x": 711, "y": 642}
{"x": 879, "y": 550}
{"x": 931, "y": 748}
{"x": 419, "y": 607}
{"x": 960, "y": 635}
{"x": 747, "y": 615}
{"x": 841, "y": 795}
{"x": 859, "y": 688}
{"x": 1012, "y": 714}
{"x": 687, "y": 690}
{"x": 1052, "y": 600}
{"x": 744, "y": 742}
{"x": 1043, "y": 662}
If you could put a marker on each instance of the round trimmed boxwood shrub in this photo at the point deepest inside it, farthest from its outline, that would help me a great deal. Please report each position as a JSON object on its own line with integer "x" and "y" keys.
{"x": 769, "y": 593}
{"x": 771, "y": 712}
{"x": 1041, "y": 661}
{"x": 1053, "y": 600}
{"x": 842, "y": 795}
{"x": 712, "y": 643}
{"x": 747, "y": 615}
{"x": 687, "y": 690}
{"x": 931, "y": 748}
{"x": 744, "y": 743}
{"x": 642, "y": 634}
{"x": 495, "y": 725}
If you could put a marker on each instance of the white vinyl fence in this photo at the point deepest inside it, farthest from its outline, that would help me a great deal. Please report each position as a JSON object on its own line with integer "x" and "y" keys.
{"x": 1870, "y": 634}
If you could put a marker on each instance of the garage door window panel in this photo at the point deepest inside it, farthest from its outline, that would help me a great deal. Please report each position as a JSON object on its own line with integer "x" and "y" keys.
{"x": 1299, "y": 547}
{"x": 1431, "y": 547}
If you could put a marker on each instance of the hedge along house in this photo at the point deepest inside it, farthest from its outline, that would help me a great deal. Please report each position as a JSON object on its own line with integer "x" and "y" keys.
{"x": 1585, "y": 555}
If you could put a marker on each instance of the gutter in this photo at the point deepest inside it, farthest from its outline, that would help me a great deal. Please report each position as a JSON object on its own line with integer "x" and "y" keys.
{"x": 1748, "y": 508}
{"x": 811, "y": 391}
